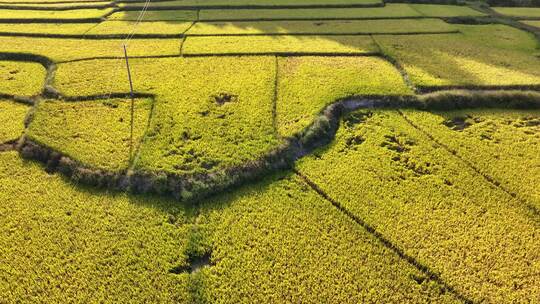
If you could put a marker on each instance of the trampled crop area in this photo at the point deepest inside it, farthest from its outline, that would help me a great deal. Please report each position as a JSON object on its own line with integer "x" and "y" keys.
{"x": 269, "y": 151}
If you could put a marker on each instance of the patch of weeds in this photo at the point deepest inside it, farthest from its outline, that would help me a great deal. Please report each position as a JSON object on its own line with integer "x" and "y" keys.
{"x": 223, "y": 98}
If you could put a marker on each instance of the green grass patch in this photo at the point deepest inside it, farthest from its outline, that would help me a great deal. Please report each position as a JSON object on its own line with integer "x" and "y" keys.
{"x": 431, "y": 10}
{"x": 73, "y": 49}
{"x": 96, "y": 133}
{"x": 21, "y": 78}
{"x": 56, "y": 15}
{"x": 55, "y": 5}
{"x": 278, "y": 241}
{"x": 322, "y": 27}
{"x": 12, "y": 117}
{"x": 521, "y": 12}
{"x": 308, "y": 84}
{"x": 61, "y": 242}
{"x": 240, "y": 3}
{"x": 388, "y": 11}
{"x": 211, "y": 114}
{"x": 481, "y": 241}
{"x": 279, "y": 44}
{"x": 173, "y": 15}
{"x": 502, "y": 143}
{"x": 486, "y": 55}
{"x": 46, "y": 28}
{"x": 142, "y": 28}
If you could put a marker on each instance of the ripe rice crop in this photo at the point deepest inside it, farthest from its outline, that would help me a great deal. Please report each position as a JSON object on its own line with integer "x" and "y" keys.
{"x": 279, "y": 45}
{"x": 46, "y": 28}
{"x": 317, "y": 27}
{"x": 502, "y": 143}
{"x": 21, "y": 78}
{"x": 521, "y": 12}
{"x": 278, "y": 241}
{"x": 211, "y": 114}
{"x": 55, "y": 5}
{"x": 486, "y": 55}
{"x": 73, "y": 49}
{"x": 59, "y": 241}
{"x": 432, "y": 10}
{"x": 388, "y": 11}
{"x": 243, "y": 3}
{"x": 56, "y": 15}
{"x": 308, "y": 84}
{"x": 143, "y": 28}
{"x": 96, "y": 133}
{"x": 481, "y": 240}
{"x": 12, "y": 117}
{"x": 173, "y": 15}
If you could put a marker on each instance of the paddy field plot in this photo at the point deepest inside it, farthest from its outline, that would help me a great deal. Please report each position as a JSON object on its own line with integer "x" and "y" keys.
{"x": 95, "y": 133}
{"x": 434, "y": 10}
{"x": 21, "y": 78}
{"x": 238, "y": 45}
{"x": 172, "y": 15}
{"x": 45, "y": 28}
{"x": 519, "y": 12}
{"x": 501, "y": 143}
{"x": 61, "y": 242}
{"x": 481, "y": 240}
{"x": 388, "y": 11}
{"x": 75, "y": 49}
{"x": 486, "y": 55}
{"x": 12, "y": 117}
{"x": 308, "y": 84}
{"x": 143, "y": 28}
{"x": 247, "y": 3}
{"x": 13, "y": 14}
{"x": 317, "y": 27}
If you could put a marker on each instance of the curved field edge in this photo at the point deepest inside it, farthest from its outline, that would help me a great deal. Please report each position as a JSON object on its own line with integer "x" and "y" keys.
{"x": 193, "y": 187}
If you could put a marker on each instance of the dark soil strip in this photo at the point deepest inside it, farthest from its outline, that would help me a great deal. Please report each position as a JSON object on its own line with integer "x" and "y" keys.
{"x": 91, "y": 36}
{"x": 9, "y": 146}
{"x": 51, "y": 20}
{"x": 44, "y": 7}
{"x": 493, "y": 181}
{"x": 430, "y": 89}
{"x": 55, "y": 2}
{"x": 386, "y": 242}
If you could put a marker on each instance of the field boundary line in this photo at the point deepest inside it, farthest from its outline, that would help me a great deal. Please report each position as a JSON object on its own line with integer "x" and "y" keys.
{"x": 381, "y": 238}
{"x": 129, "y": 5}
{"x": 10, "y": 145}
{"x": 283, "y": 54}
{"x": 490, "y": 179}
{"x": 275, "y": 98}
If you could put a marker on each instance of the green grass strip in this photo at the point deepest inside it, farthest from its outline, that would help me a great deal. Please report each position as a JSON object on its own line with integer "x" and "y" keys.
{"x": 322, "y": 27}
{"x": 388, "y": 11}
{"x": 308, "y": 84}
{"x": 532, "y": 23}
{"x": 62, "y": 242}
{"x": 12, "y": 117}
{"x": 521, "y": 12}
{"x": 96, "y": 133}
{"x": 431, "y": 10}
{"x": 391, "y": 175}
{"x": 21, "y": 78}
{"x": 279, "y": 45}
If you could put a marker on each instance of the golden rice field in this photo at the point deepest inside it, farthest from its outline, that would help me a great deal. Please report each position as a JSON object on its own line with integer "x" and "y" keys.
{"x": 269, "y": 151}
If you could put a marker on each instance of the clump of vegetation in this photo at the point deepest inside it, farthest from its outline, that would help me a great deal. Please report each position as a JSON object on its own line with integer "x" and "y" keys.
{"x": 401, "y": 183}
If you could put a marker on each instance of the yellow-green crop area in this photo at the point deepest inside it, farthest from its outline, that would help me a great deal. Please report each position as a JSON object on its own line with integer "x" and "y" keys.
{"x": 269, "y": 151}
